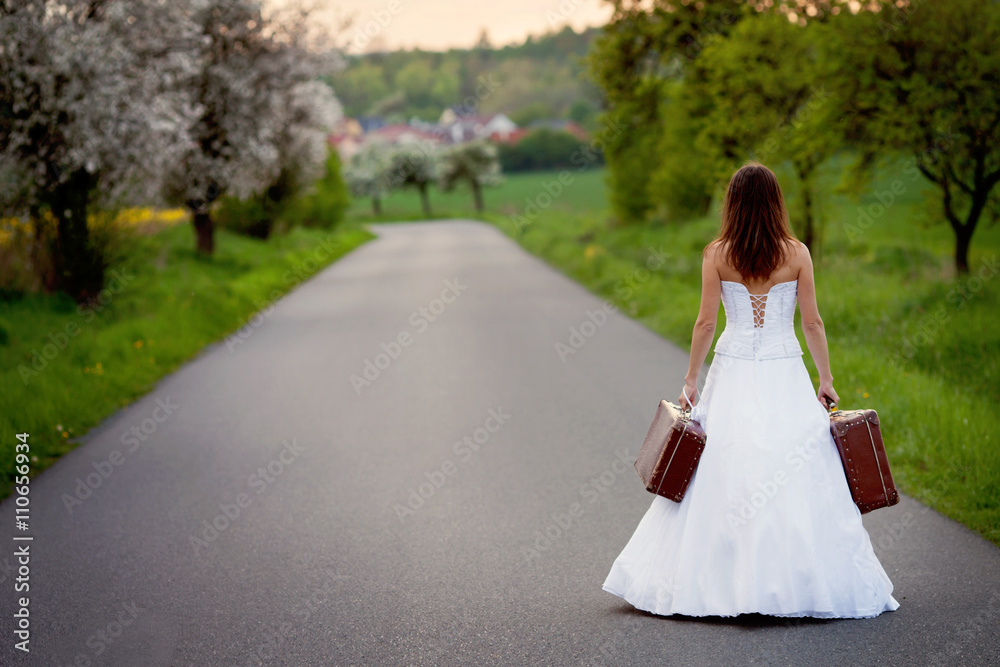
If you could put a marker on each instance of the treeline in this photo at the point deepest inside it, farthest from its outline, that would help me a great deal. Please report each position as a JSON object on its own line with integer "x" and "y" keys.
{"x": 191, "y": 103}
{"x": 698, "y": 88}
{"x": 545, "y": 77}
{"x": 546, "y": 148}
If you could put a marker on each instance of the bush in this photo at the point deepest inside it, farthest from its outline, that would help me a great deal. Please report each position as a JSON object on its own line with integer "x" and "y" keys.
{"x": 532, "y": 112}
{"x": 542, "y": 149}
{"x": 25, "y": 257}
{"x": 27, "y": 249}
{"x": 325, "y": 205}
{"x": 248, "y": 217}
{"x": 261, "y": 215}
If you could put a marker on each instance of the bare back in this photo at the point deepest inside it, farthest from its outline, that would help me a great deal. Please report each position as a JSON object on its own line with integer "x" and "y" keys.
{"x": 798, "y": 266}
{"x": 788, "y": 272}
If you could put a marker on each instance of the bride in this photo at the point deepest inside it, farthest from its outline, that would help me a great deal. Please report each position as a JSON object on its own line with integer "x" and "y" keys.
{"x": 767, "y": 524}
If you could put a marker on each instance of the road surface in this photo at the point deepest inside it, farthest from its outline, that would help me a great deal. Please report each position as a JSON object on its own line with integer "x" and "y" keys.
{"x": 413, "y": 460}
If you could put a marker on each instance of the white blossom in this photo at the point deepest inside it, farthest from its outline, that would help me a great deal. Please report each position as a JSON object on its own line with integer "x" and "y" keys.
{"x": 83, "y": 86}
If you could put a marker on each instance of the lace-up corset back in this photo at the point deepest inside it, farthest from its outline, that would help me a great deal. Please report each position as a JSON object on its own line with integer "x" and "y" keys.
{"x": 759, "y": 326}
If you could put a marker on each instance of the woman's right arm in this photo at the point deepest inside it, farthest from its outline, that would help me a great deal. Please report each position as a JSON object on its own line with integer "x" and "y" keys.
{"x": 813, "y": 330}
{"x": 704, "y": 326}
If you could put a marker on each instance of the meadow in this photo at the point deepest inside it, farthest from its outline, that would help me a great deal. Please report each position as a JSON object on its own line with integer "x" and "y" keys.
{"x": 64, "y": 367}
{"x": 908, "y": 337}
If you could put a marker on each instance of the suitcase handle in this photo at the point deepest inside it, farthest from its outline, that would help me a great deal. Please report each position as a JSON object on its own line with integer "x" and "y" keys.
{"x": 687, "y": 410}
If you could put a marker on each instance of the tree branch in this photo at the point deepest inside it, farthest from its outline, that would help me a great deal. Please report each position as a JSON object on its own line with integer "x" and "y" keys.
{"x": 949, "y": 211}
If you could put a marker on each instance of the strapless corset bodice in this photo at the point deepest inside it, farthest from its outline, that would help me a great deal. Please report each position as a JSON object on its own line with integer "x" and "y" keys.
{"x": 759, "y": 326}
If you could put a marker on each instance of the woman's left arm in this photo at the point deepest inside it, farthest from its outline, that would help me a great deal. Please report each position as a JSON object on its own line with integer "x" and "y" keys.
{"x": 704, "y": 326}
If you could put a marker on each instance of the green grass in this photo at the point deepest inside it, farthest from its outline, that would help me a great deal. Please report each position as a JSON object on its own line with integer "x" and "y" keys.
{"x": 903, "y": 338}
{"x": 581, "y": 191}
{"x": 171, "y": 305}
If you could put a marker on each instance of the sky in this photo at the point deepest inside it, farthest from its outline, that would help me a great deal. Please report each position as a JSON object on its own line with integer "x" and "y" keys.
{"x": 441, "y": 24}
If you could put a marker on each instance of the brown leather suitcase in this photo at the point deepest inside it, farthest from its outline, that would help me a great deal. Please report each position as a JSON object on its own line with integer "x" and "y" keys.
{"x": 671, "y": 452}
{"x": 859, "y": 441}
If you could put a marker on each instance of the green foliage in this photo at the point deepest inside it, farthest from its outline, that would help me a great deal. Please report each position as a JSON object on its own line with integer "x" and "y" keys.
{"x": 528, "y": 114}
{"x": 413, "y": 166}
{"x": 360, "y": 86}
{"x": 683, "y": 179}
{"x": 366, "y": 173}
{"x": 324, "y": 206}
{"x": 474, "y": 163}
{"x": 630, "y": 153}
{"x": 583, "y": 112}
{"x": 261, "y": 215}
{"x": 248, "y": 217}
{"x": 415, "y": 79}
{"x": 638, "y": 53}
{"x": 756, "y": 95}
{"x": 540, "y": 78}
{"x": 921, "y": 78}
{"x": 925, "y": 80}
{"x": 541, "y": 149}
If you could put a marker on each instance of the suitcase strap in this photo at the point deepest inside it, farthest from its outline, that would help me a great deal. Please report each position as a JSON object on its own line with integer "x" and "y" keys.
{"x": 672, "y": 454}
{"x": 878, "y": 463}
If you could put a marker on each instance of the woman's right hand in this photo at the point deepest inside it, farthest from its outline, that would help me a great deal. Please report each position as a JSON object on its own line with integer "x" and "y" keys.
{"x": 688, "y": 394}
{"x": 827, "y": 395}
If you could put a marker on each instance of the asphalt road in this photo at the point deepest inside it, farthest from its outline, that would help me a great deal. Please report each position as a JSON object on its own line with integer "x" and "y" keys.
{"x": 459, "y": 505}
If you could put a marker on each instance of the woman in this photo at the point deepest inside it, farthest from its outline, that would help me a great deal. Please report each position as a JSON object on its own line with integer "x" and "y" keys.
{"x": 768, "y": 524}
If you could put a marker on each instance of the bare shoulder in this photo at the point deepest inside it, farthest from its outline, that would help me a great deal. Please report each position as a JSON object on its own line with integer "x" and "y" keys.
{"x": 712, "y": 251}
{"x": 800, "y": 257}
{"x": 712, "y": 261}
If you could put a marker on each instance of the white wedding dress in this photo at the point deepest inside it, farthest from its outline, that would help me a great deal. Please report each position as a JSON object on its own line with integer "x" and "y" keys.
{"x": 767, "y": 524}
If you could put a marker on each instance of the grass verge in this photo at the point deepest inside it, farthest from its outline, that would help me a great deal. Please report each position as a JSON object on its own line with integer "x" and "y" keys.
{"x": 64, "y": 368}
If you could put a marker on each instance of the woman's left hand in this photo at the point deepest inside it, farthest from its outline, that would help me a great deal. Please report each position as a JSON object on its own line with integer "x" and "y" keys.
{"x": 691, "y": 389}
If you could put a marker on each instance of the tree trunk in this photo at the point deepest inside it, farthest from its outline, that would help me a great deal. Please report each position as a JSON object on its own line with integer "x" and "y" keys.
{"x": 805, "y": 182}
{"x": 42, "y": 248}
{"x": 963, "y": 233}
{"x": 204, "y": 231}
{"x": 78, "y": 265}
{"x": 963, "y": 238}
{"x": 477, "y": 194}
{"x": 807, "y": 219}
{"x": 425, "y": 201}
{"x": 376, "y": 205}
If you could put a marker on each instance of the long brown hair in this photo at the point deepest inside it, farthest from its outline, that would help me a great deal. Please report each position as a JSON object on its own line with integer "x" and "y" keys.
{"x": 755, "y": 228}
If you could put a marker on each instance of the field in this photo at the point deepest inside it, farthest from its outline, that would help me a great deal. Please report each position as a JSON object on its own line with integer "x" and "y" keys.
{"x": 907, "y": 336}
{"x": 583, "y": 194}
{"x": 64, "y": 368}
